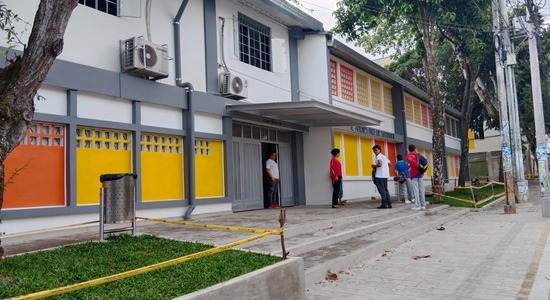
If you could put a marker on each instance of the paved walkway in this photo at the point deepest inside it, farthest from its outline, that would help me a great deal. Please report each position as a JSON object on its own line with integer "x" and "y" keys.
{"x": 482, "y": 255}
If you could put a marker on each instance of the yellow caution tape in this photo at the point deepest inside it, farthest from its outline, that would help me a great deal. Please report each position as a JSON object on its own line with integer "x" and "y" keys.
{"x": 110, "y": 278}
{"x": 222, "y": 227}
{"x": 455, "y": 198}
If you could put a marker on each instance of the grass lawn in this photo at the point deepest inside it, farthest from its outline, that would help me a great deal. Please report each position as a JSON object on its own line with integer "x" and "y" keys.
{"x": 466, "y": 194}
{"x": 38, "y": 271}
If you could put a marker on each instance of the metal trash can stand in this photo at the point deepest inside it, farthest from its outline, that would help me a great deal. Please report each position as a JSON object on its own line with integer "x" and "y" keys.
{"x": 117, "y": 199}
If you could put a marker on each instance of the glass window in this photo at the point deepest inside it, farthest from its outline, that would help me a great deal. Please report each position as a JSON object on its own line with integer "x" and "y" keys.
{"x": 254, "y": 43}
{"x": 106, "y": 6}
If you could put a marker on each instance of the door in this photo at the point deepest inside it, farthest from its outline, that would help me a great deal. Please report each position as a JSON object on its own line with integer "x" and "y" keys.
{"x": 286, "y": 180}
{"x": 247, "y": 175}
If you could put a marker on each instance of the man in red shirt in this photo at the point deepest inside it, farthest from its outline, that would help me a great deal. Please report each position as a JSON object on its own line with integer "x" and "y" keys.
{"x": 413, "y": 158}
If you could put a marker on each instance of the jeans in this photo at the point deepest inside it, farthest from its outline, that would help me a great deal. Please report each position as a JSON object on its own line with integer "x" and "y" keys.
{"x": 407, "y": 192}
{"x": 335, "y": 191}
{"x": 418, "y": 189}
{"x": 382, "y": 186}
{"x": 273, "y": 191}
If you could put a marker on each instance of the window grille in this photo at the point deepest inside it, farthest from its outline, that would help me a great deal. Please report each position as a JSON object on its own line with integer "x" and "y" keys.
{"x": 106, "y": 6}
{"x": 254, "y": 43}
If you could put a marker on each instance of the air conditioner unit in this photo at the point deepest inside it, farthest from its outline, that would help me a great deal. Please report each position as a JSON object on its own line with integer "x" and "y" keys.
{"x": 232, "y": 86}
{"x": 145, "y": 58}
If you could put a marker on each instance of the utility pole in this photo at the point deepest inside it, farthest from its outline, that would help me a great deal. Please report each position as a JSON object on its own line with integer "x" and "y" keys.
{"x": 510, "y": 206}
{"x": 522, "y": 191}
{"x": 542, "y": 147}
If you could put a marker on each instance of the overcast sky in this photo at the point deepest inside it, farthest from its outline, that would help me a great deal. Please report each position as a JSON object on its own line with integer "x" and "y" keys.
{"x": 322, "y": 11}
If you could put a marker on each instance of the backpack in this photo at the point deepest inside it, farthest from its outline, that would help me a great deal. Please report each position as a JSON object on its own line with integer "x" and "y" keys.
{"x": 423, "y": 164}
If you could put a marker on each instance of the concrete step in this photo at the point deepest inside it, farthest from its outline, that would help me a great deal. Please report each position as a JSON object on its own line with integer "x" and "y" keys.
{"x": 307, "y": 237}
{"x": 372, "y": 241}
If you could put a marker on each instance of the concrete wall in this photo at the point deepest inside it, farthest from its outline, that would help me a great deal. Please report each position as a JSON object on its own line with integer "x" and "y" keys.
{"x": 313, "y": 68}
{"x": 317, "y": 145}
{"x": 284, "y": 280}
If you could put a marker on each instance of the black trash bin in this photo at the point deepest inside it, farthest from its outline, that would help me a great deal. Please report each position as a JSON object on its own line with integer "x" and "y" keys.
{"x": 118, "y": 197}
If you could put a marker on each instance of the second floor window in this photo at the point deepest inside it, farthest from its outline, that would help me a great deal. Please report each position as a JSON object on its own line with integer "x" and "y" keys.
{"x": 106, "y": 6}
{"x": 254, "y": 43}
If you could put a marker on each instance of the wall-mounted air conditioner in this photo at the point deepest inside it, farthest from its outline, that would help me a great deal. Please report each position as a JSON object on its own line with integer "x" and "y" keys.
{"x": 141, "y": 57}
{"x": 233, "y": 86}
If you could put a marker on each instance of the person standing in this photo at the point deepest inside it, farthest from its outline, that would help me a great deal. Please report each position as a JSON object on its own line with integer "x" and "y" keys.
{"x": 382, "y": 165}
{"x": 335, "y": 176}
{"x": 272, "y": 169}
{"x": 402, "y": 168}
{"x": 413, "y": 158}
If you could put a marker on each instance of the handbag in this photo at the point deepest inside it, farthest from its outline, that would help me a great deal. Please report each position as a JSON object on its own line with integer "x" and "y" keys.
{"x": 400, "y": 178}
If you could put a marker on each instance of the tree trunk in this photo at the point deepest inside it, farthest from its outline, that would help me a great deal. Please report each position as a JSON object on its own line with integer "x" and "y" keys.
{"x": 466, "y": 117}
{"x": 436, "y": 100}
{"x": 22, "y": 78}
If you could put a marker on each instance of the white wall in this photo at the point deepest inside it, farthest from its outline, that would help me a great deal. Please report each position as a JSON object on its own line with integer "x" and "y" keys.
{"x": 98, "y": 107}
{"x": 317, "y": 147}
{"x": 263, "y": 86}
{"x": 208, "y": 123}
{"x": 93, "y": 38}
{"x": 452, "y": 142}
{"x": 419, "y": 132}
{"x": 313, "y": 68}
{"x": 54, "y": 101}
{"x": 161, "y": 116}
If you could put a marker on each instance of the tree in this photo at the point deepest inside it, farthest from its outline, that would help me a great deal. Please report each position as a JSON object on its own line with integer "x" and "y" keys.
{"x": 24, "y": 73}
{"x": 424, "y": 27}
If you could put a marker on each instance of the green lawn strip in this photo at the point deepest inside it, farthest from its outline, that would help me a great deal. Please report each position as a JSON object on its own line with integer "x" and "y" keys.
{"x": 34, "y": 272}
{"x": 466, "y": 194}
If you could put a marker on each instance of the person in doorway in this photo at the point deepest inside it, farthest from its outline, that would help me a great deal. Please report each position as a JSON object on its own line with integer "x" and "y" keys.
{"x": 382, "y": 165}
{"x": 405, "y": 187}
{"x": 335, "y": 176}
{"x": 413, "y": 158}
{"x": 272, "y": 170}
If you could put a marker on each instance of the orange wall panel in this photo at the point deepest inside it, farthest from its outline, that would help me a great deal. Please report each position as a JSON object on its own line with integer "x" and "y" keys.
{"x": 37, "y": 172}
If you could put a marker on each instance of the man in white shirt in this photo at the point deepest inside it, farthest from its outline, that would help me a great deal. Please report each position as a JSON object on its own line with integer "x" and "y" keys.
{"x": 382, "y": 165}
{"x": 272, "y": 169}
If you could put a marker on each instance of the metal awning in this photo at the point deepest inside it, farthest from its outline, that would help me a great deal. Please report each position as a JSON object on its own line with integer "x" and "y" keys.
{"x": 308, "y": 113}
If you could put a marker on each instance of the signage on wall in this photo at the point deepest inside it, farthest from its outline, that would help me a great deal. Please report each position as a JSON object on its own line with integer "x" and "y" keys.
{"x": 373, "y": 131}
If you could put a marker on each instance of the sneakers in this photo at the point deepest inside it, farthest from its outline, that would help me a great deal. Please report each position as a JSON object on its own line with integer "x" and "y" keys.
{"x": 408, "y": 202}
{"x": 416, "y": 208}
{"x": 274, "y": 205}
{"x": 423, "y": 208}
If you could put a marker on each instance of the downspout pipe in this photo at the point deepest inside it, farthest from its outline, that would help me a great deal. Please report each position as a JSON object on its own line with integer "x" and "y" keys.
{"x": 177, "y": 41}
{"x": 190, "y": 149}
{"x": 190, "y": 128}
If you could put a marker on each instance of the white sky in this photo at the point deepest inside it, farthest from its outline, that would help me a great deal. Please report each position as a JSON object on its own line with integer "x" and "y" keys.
{"x": 322, "y": 11}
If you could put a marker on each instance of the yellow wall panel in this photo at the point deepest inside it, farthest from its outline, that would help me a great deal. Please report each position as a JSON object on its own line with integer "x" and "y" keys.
{"x": 99, "y": 151}
{"x": 388, "y": 104}
{"x": 351, "y": 162}
{"x": 209, "y": 168}
{"x": 161, "y": 167}
{"x": 417, "y": 112}
{"x": 363, "y": 89}
{"x": 366, "y": 156}
{"x": 376, "y": 95}
{"x": 338, "y": 140}
{"x": 409, "y": 110}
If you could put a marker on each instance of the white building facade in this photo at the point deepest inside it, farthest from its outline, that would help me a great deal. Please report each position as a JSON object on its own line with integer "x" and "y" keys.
{"x": 192, "y": 96}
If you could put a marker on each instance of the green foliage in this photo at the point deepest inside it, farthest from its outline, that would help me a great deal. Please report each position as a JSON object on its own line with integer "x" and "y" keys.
{"x": 466, "y": 194}
{"x": 8, "y": 19}
{"x": 33, "y": 272}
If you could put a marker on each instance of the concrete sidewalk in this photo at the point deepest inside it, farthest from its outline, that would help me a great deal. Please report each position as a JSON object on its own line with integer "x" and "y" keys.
{"x": 481, "y": 255}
